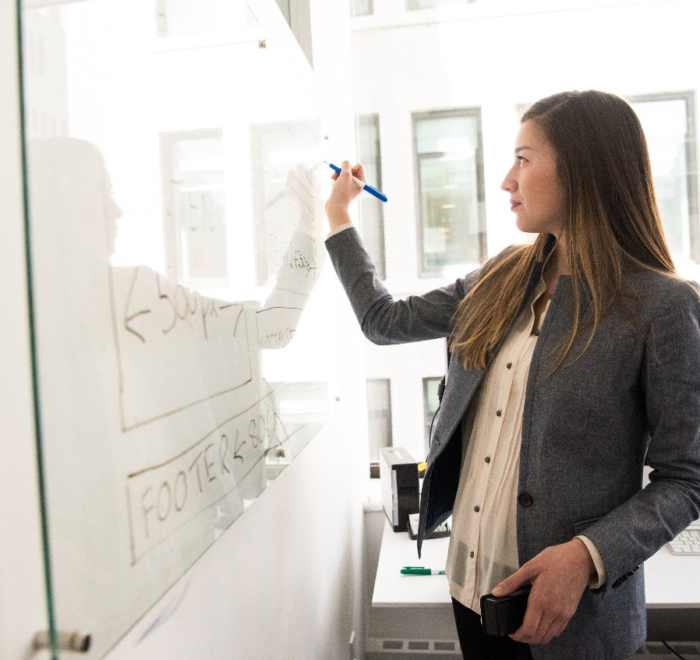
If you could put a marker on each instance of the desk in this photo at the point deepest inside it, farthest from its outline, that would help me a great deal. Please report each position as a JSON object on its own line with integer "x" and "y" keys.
{"x": 673, "y": 596}
{"x": 411, "y": 612}
{"x": 391, "y": 589}
{"x": 418, "y": 609}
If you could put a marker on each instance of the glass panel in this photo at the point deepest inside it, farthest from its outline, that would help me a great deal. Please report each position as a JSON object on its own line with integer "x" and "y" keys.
{"x": 665, "y": 124}
{"x": 427, "y": 4}
{"x": 194, "y": 211}
{"x": 300, "y": 411}
{"x": 449, "y": 211}
{"x": 185, "y": 354}
{"x": 185, "y": 17}
{"x": 378, "y": 416}
{"x": 447, "y": 135}
{"x": 449, "y": 190}
{"x": 372, "y": 209}
{"x": 275, "y": 150}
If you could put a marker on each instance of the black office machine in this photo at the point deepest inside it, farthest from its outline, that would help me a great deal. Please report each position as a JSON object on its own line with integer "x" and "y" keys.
{"x": 399, "y": 476}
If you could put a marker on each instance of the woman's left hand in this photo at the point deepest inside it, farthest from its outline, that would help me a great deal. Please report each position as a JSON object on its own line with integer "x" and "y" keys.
{"x": 559, "y": 575}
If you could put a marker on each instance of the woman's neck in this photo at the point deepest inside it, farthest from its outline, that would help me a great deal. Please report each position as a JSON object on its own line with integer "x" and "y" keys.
{"x": 560, "y": 258}
{"x": 558, "y": 265}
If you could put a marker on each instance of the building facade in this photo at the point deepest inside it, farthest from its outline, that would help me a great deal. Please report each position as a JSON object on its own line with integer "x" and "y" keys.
{"x": 439, "y": 90}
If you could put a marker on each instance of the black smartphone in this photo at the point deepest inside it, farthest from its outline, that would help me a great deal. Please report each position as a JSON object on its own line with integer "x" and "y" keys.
{"x": 503, "y": 616}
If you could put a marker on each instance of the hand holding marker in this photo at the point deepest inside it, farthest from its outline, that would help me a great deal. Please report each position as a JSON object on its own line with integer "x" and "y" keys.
{"x": 365, "y": 186}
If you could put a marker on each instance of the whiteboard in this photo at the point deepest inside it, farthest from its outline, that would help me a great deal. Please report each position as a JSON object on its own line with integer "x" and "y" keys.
{"x": 185, "y": 358}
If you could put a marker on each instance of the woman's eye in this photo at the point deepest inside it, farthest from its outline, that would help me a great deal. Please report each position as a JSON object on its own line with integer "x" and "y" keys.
{"x": 521, "y": 159}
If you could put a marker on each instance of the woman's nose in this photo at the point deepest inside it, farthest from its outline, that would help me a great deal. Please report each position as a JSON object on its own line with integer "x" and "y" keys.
{"x": 509, "y": 184}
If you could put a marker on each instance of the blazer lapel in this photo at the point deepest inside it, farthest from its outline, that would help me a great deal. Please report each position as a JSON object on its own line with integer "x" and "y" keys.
{"x": 462, "y": 383}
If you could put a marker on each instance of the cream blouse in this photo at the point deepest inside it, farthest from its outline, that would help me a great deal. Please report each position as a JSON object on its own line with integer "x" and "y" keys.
{"x": 483, "y": 546}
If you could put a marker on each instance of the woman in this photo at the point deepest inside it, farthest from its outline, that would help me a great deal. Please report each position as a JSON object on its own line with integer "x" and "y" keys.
{"x": 576, "y": 360}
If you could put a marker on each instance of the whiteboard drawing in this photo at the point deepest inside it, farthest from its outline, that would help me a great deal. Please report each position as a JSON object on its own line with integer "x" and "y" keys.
{"x": 160, "y": 427}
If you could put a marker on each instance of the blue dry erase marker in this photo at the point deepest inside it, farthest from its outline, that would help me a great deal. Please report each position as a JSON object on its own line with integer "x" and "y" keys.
{"x": 359, "y": 182}
{"x": 420, "y": 570}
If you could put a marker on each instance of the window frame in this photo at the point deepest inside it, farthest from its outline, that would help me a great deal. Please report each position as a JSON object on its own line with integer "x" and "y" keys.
{"x": 374, "y": 465}
{"x": 380, "y": 259}
{"x": 416, "y": 117}
{"x": 174, "y": 258}
{"x": 409, "y": 4}
{"x": 691, "y": 159}
{"x": 367, "y": 13}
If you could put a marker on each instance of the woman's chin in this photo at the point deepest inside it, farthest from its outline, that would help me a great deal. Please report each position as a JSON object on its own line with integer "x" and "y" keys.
{"x": 528, "y": 227}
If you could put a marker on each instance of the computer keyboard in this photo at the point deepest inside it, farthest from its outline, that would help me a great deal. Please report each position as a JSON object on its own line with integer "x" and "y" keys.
{"x": 686, "y": 543}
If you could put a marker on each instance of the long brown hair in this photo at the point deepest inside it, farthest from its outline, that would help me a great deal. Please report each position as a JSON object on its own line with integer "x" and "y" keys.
{"x": 612, "y": 226}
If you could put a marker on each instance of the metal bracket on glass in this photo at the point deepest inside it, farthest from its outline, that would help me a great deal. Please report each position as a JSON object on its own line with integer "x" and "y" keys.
{"x": 78, "y": 642}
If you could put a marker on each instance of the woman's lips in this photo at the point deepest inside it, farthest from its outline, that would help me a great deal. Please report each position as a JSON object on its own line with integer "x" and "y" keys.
{"x": 513, "y": 205}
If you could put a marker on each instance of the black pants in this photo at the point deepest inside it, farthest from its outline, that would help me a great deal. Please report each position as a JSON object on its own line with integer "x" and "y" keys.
{"x": 476, "y": 645}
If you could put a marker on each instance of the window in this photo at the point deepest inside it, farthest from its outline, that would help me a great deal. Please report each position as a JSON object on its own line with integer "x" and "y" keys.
{"x": 194, "y": 210}
{"x": 669, "y": 125}
{"x": 449, "y": 168}
{"x": 372, "y": 209}
{"x": 378, "y": 419}
{"x": 361, "y": 7}
{"x": 431, "y": 403}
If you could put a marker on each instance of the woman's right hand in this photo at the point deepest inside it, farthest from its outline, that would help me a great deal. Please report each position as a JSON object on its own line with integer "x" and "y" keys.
{"x": 345, "y": 190}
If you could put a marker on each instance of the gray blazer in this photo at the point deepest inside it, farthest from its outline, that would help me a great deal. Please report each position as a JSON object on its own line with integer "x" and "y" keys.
{"x": 588, "y": 429}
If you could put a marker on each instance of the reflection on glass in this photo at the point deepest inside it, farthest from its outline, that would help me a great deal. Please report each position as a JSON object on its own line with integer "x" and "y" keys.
{"x": 372, "y": 209}
{"x": 275, "y": 150}
{"x": 44, "y": 50}
{"x": 378, "y": 416}
{"x": 449, "y": 179}
{"x": 301, "y": 410}
{"x": 193, "y": 181}
{"x": 160, "y": 420}
{"x": 185, "y": 17}
{"x": 361, "y": 7}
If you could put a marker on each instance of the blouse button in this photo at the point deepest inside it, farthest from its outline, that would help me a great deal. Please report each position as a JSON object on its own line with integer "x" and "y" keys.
{"x": 488, "y": 459}
{"x": 509, "y": 365}
{"x": 471, "y": 554}
{"x": 537, "y": 333}
{"x": 476, "y": 508}
{"x": 498, "y": 413}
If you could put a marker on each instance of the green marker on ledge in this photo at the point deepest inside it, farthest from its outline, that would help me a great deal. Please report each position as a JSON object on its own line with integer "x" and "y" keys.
{"x": 420, "y": 570}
